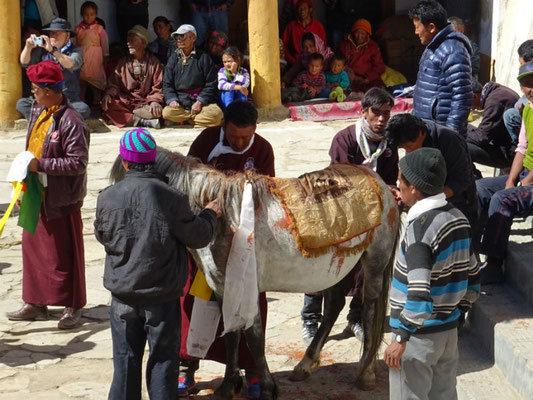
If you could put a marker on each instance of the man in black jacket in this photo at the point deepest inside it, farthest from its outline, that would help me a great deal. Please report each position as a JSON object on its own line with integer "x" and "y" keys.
{"x": 490, "y": 143}
{"x": 145, "y": 225}
{"x": 190, "y": 83}
{"x": 411, "y": 133}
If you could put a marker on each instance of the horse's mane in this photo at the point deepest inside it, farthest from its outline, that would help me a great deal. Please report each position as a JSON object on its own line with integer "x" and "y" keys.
{"x": 203, "y": 183}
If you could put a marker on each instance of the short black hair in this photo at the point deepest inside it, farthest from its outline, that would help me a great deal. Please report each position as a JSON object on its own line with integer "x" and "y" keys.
{"x": 308, "y": 36}
{"x": 241, "y": 113}
{"x": 234, "y": 53}
{"x": 338, "y": 57}
{"x": 316, "y": 56}
{"x": 375, "y": 98}
{"x": 407, "y": 183}
{"x": 430, "y": 11}
{"x": 403, "y": 128}
{"x": 89, "y": 4}
{"x": 140, "y": 167}
{"x": 163, "y": 19}
{"x": 525, "y": 50}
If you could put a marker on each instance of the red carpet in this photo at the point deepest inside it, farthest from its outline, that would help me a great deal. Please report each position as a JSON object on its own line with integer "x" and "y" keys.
{"x": 328, "y": 111}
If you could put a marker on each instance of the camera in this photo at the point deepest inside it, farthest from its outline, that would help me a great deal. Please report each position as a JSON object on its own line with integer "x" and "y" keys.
{"x": 38, "y": 40}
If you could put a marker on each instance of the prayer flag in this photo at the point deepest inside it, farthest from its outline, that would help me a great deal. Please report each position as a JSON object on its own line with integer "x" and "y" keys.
{"x": 31, "y": 203}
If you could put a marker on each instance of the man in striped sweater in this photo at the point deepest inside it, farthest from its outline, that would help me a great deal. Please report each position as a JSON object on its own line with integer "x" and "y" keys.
{"x": 436, "y": 278}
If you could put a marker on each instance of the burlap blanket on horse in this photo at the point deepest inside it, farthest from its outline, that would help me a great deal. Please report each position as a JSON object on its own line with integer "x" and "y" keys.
{"x": 330, "y": 206}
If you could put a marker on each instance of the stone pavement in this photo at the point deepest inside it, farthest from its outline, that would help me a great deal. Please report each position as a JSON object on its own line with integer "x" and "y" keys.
{"x": 37, "y": 361}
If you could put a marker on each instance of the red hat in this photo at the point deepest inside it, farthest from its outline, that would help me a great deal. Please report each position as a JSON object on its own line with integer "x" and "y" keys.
{"x": 362, "y": 24}
{"x": 46, "y": 73}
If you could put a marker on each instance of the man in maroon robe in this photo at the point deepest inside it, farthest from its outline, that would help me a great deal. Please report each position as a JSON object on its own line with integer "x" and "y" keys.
{"x": 233, "y": 147}
{"x": 53, "y": 264}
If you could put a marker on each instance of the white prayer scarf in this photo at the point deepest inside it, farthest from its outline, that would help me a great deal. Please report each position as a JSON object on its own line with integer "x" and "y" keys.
{"x": 426, "y": 204}
{"x": 220, "y": 148}
{"x": 371, "y": 159}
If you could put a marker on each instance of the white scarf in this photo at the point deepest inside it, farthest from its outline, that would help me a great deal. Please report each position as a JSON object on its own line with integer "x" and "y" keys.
{"x": 426, "y": 204}
{"x": 371, "y": 159}
{"x": 220, "y": 148}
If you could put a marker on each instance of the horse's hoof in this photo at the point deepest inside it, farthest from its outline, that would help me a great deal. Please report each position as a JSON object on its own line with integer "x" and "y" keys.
{"x": 227, "y": 390}
{"x": 366, "y": 382}
{"x": 300, "y": 373}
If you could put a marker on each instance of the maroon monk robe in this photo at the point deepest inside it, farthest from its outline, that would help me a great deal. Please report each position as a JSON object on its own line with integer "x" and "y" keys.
{"x": 260, "y": 157}
{"x": 53, "y": 262}
{"x": 129, "y": 91}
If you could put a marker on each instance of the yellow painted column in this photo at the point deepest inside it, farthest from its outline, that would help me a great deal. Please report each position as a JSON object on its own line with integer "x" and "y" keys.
{"x": 10, "y": 70}
{"x": 264, "y": 53}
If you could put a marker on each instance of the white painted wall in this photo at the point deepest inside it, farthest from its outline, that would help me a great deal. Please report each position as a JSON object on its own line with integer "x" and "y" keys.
{"x": 106, "y": 11}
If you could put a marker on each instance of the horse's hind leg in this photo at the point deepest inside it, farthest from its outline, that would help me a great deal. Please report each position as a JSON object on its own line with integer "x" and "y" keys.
{"x": 256, "y": 343}
{"x": 333, "y": 303}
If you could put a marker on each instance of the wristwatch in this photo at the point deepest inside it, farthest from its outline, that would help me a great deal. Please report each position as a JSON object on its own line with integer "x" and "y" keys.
{"x": 400, "y": 339}
{"x": 54, "y": 49}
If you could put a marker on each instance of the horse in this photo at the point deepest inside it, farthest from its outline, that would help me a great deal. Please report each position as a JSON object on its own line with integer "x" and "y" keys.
{"x": 281, "y": 265}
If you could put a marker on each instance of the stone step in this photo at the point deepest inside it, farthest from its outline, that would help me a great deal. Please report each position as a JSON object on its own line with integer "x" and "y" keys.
{"x": 502, "y": 324}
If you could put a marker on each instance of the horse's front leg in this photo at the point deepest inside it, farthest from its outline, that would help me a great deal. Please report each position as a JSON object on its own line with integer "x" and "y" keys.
{"x": 256, "y": 343}
{"x": 232, "y": 382}
{"x": 333, "y": 303}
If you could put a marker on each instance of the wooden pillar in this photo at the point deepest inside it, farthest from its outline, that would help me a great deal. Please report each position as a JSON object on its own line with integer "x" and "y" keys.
{"x": 264, "y": 53}
{"x": 10, "y": 70}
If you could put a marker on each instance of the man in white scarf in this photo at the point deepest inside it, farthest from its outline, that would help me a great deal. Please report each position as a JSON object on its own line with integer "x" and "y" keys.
{"x": 363, "y": 143}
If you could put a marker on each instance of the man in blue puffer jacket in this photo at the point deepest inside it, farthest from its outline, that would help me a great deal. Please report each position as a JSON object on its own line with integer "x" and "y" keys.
{"x": 443, "y": 91}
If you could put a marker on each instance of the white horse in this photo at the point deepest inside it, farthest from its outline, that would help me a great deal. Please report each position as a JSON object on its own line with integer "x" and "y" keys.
{"x": 282, "y": 267}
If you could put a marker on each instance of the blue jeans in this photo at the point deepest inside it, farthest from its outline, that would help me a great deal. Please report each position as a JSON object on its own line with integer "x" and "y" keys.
{"x": 204, "y": 20}
{"x": 229, "y": 96}
{"x": 131, "y": 326}
{"x": 513, "y": 121}
{"x": 497, "y": 208}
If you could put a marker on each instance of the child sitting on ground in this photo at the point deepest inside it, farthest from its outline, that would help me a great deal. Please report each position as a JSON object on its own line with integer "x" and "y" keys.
{"x": 337, "y": 79}
{"x": 233, "y": 80}
{"x": 308, "y": 84}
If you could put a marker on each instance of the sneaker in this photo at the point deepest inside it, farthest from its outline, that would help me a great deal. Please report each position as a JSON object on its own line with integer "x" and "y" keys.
{"x": 309, "y": 331}
{"x": 340, "y": 94}
{"x": 254, "y": 389}
{"x": 354, "y": 330}
{"x": 333, "y": 95}
{"x": 185, "y": 384}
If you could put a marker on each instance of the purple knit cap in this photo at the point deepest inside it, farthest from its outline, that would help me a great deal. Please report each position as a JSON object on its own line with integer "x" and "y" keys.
{"x": 138, "y": 146}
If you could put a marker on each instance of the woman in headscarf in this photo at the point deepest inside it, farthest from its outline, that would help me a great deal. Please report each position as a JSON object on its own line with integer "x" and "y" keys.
{"x": 310, "y": 43}
{"x": 363, "y": 58}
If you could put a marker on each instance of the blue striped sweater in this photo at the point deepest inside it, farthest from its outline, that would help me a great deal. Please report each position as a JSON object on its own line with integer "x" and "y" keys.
{"x": 436, "y": 275}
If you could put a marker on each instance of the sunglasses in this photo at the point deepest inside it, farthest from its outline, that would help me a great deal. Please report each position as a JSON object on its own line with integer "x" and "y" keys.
{"x": 181, "y": 36}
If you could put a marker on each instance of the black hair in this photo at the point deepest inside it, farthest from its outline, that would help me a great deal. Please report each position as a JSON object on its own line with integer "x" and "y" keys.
{"x": 403, "y": 128}
{"x": 100, "y": 21}
{"x": 241, "y": 114}
{"x": 234, "y": 53}
{"x": 308, "y": 36}
{"x": 140, "y": 167}
{"x": 430, "y": 11}
{"x": 89, "y": 4}
{"x": 316, "y": 56}
{"x": 338, "y": 57}
{"x": 375, "y": 98}
{"x": 525, "y": 50}
{"x": 162, "y": 19}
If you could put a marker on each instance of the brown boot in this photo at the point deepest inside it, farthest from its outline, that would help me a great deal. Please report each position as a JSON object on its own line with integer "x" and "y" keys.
{"x": 70, "y": 319}
{"x": 29, "y": 312}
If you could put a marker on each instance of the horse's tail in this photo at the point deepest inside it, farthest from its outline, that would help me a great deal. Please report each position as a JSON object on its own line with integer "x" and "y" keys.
{"x": 377, "y": 324}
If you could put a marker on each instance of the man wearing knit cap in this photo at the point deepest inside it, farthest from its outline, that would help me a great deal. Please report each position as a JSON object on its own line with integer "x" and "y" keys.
{"x": 59, "y": 48}
{"x": 134, "y": 94}
{"x": 435, "y": 280}
{"x": 53, "y": 262}
{"x": 145, "y": 226}
{"x": 190, "y": 83}
{"x": 363, "y": 57}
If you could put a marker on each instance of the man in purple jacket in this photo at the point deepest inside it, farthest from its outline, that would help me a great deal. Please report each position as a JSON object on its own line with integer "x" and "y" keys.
{"x": 363, "y": 144}
{"x": 53, "y": 264}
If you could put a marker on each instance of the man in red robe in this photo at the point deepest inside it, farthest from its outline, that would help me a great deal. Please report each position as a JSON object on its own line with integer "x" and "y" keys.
{"x": 292, "y": 36}
{"x": 53, "y": 264}
{"x": 233, "y": 147}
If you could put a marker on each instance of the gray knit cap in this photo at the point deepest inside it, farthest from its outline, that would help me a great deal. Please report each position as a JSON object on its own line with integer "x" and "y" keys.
{"x": 425, "y": 169}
